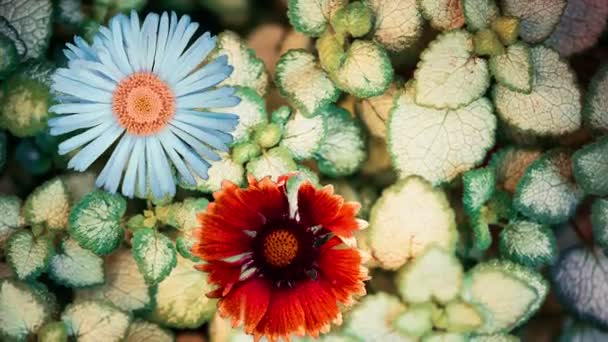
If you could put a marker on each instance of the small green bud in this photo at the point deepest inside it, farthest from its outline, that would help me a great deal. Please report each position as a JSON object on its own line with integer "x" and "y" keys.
{"x": 244, "y": 152}
{"x": 139, "y": 221}
{"x": 487, "y": 43}
{"x": 268, "y": 136}
{"x": 507, "y": 29}
{"x": 280, "y": 115}
{"x": 331, "y": 51}
{"x": 354, "y": 19}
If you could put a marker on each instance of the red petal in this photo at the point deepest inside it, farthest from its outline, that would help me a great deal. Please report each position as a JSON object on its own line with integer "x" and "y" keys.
{"x": 284, "y": 316}
{"x": 215, "y": 243}
{"x": 221, "y": 273}
{"x": 319, "y": 305}
{"x": 341, "y": 266}
{"x": 322, "y": 207}
{"x": 246, "y": 303}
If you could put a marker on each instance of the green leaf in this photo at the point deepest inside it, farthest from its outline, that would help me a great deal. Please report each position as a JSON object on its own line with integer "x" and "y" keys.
{"x": 343, "y": 150}
{"x": 478, "y": 187}
{"x": 522, "y": 291}
{"x": 374, "y": 111}
{"x": 9, "y": 58}
{"x": 11, "y": 33}
{"x": 95, "y": 221}
{"x": 312, "y": 17}
{"x": 48, "y": 205}
{"x": 478, "y": 14}
{"x": 573, "y": 35}
{"x": 416, "y": 320}
{"x": 303, "y": 136}
{"x": 510, "y": 164}
{"x": 435, "y": 275}
{"x": 444, "y": 15}
{"x": 514, "y": 68}
{"x": 93, "y": 321}
{"x": 590, "y": 166}
{"x": 439, "y": 144}
{"x": 25, "y": 309}
{"x": 449, "y": 75}
{"x": 302, "y": 81}
{"x": 154, "y": 253}
{"x": 445, "y": 337}
{"x": 409, "y": 216}
{"x": 581, "y": 331}
{"x": 274, "y": 163}
{"x": 581, "y": 284}
{"x": 546, "y": 192}
{"x": 495, "y": 338}
{"x": 366, "y": 70}
{"x": 599, "y": 221}
{"x": 124, "y": 285}
{"x": 25, "y": 104}
{"x": 182, "y": 215}
{"x": 224, "y": 169}
{"x": 553, "y": 105}
{"x": 76, "y": 266}
{"x": 371, "y": 319}
{"x": 460, "y": 317}
{"x": 32, "y": 21}
{"x": 251, "y": 112}
{"x": 538, "y": 17}
{"x": 528, "y": 243}
{"x": 10, "y": 220}
{"x": 596, "y": 102}
{"x": 398, "y": 24}
{"x": 141, "y": 330}
{"x": 53, "y": 332}
{"x": 249, "y": 71}
{"x": 29, "y": 256}
{"x": 181, "y": 300}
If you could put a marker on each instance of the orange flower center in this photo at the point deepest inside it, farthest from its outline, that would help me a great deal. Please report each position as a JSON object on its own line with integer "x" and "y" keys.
{"x": 280, "y": 248}
{"x": 143, "y": 103}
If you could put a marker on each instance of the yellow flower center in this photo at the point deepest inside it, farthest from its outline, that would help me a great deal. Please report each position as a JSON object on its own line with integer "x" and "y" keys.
{"x": 280, "y": 248}
{"x": 143, "y": 103}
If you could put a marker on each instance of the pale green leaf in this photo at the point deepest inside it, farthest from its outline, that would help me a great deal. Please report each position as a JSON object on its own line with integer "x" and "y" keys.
{"x": 552, "y": 107}
{"x": 154, "y": 253}
{"x": 95, "y": 221}
{"x": 249, "y": 71}
{"x": 444, "y": 15}
{"x": 538, "y": 17}
{"x": 274, "y": 163}
{"x": 48, "y": 205}
{"x": 449, "y": 75}
{"x": 300, "y": 78}
{"x": 220, "y": 170}
{"x": 478, "y": 187}
{"x": 366, "y": 70}
{"x": 24, "y": 309}
{"x": 124, "y": 285}
{"x": 32, "y": 21}
{"x": 303, "y": 136}
{"x": 181, "y": 300}
{"x": 599, "y": 221}
{"x": 580, "y": 27}
{"x": 251, "y": 112}
{"x": 439, "y": 144}
{"x": 94, "y": 321}
{"x": 596, "y": 102}
{"x": 10, "y": 220}
{"x": 371, "y": 319}
{"x": 590, "y": 166}
{"x": 140, "y": 331}
{"x": 409, "y": 216}
{"x": 76, "y": 266}
{"x": 398, "y": 24}
{"x": 28, "y": 255}
{"x": 343, "y": 150}
{"x": 546, "y": 192}
{"x": 528, "y": 243}
{"x": 513, "y": 69}
{"x": 478, "y": 14}
{"x": 312, "y": 17}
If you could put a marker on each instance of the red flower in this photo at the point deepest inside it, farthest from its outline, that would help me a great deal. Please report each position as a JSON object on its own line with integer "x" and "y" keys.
{"x": 280, "y": 259}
